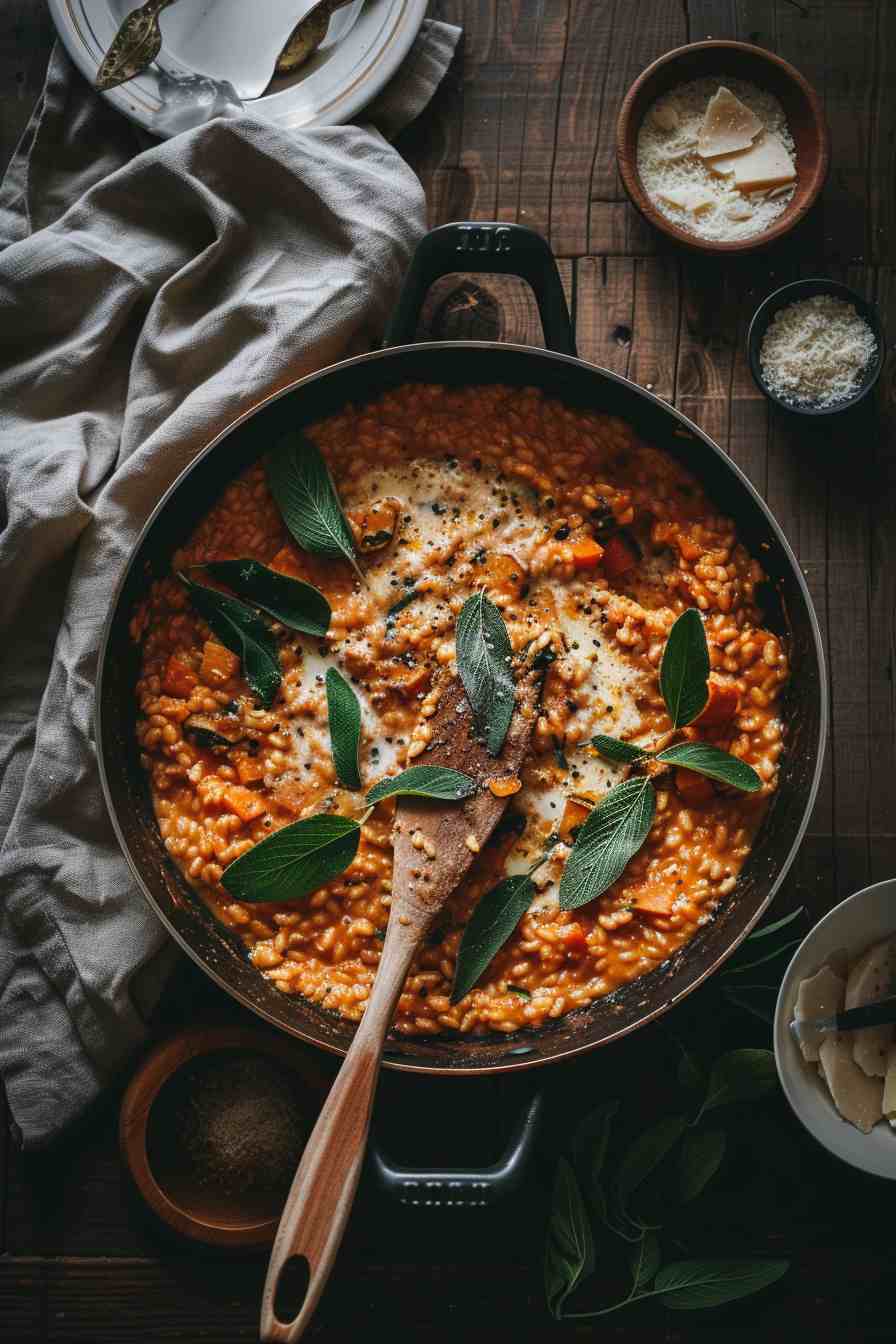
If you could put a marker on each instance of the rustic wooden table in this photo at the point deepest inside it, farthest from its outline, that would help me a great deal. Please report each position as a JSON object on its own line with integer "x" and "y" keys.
{"x": 522, "y": 130}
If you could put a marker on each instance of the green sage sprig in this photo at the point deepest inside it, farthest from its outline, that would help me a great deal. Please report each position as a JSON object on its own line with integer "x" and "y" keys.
{"x": 303, "y": 489}
{"x": 484, "y": 664}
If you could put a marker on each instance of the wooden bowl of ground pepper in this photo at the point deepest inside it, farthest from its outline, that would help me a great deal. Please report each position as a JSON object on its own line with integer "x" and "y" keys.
{"x": 212, "y": 1127}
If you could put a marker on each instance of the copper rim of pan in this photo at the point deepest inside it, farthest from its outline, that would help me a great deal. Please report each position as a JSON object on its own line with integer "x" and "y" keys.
{"x": 815, "y": 149}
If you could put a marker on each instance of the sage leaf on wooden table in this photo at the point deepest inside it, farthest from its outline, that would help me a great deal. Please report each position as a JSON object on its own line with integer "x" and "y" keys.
{"x": 293, "y": 602}
{"x": 242, "y": 631}
{"x": 705, "y": 759}
{"x": 344, "y": 714}
{"x": 611, "y": 834}
{"x": 700, "y": 1157}
{"x": 484, "y": 663}
{"x": 690, "y": 1284}
{"x": 569, "y": 1249}
{"x": 425, "y": 781}
{"x": 491, "y": 924}
{"x": 624, "y": 753}
{"x": 294, "y": 861}
{"x": 740, "y": 1075}
{"x": 300, "y": 482}
{"x": 684, "y": 671}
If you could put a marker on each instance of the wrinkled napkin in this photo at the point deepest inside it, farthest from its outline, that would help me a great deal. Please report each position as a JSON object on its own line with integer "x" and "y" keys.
{"x": 148, "y": 293}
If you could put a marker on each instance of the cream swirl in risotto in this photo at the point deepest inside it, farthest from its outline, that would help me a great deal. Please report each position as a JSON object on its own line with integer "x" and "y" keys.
{"x": 582, "y": 534}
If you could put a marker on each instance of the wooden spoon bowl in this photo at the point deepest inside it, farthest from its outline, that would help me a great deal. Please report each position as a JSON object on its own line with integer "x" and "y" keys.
{"x": 802, "y": 107}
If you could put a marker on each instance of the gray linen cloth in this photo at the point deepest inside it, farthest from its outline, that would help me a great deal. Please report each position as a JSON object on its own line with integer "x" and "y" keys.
{"x": 148, "y": 293}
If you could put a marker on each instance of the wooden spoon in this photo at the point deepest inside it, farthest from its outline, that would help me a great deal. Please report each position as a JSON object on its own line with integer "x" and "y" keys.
{"x": 318, "y": 1204}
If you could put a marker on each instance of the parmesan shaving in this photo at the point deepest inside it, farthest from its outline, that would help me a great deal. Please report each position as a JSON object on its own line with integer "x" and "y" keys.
{"x": 816, "y": 350}
{"x": 765, "y": 164}
{"x": 728, "y": 126}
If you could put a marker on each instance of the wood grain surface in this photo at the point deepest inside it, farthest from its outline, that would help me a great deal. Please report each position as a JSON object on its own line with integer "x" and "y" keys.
{"x": 522, "y": 130}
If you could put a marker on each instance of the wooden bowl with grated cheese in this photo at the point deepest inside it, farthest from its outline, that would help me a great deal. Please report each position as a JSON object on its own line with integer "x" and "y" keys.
{"x": 741, "y": 63}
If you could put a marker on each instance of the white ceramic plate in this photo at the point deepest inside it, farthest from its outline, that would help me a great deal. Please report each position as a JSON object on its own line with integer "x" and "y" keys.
{"x": 365, "y": 44}
{"x": 867, "y": 917}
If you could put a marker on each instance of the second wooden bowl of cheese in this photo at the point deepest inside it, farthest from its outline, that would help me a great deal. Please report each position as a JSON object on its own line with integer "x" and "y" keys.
{"x": 741, "y": 61}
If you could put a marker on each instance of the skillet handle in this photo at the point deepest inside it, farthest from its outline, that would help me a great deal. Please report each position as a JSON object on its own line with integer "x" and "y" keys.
{"x": 496, "y": 249}
{"x": 458, "y": 1188}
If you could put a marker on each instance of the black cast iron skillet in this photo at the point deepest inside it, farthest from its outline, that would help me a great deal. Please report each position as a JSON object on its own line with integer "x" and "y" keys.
{"x": 507, "y": 249}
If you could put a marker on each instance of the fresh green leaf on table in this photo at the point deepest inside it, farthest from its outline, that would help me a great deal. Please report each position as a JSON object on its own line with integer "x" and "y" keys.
{"x": 569, "y": 1249}
{"x": 691, "y": 1284}
{"x": 491, "y": 924}
{"x": 612, "y": 749}
{"x": 485, "y": 666}
{"x": 644, "y": 1262}
{"x": 699, "y": 1159}
{"x": 294, "y": 861}
{"x": 293, "y": 602}
{"x": 425, "y": 781}
{"x": 684, "y": 671}
{"x": 344, "y": 715}
{"x": 611, "y": 834}
{"x": 645, "y": 1155}
{"x": 740, "y": 1075}
{"x": 242, "y": 631}
{"x": 777, "y": 926}
{"x": 705, "y": 759}
{"x": 303, "y": 489}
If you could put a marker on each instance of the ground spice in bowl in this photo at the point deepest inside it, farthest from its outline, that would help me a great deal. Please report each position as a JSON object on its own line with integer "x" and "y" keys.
{"x": 225, "y": 1135}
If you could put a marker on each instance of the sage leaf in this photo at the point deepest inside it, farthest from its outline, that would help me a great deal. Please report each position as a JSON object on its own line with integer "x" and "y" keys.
{"x": 294, "y": 861}
{"x": 591, "y": 1140}
{"x": 644, "y": 1261}
{"x": 708, "y": 760}
{"x": 484, "y": 662}
{"x": 295, "y": 603}
{"x": 303, "y": 489}
{"x": 690, "y": 1074}
{"x": 491, "y": 924}
{"x": 688, "y": 1285}
{"x": 646, "y": 1154}
{"x": 569, "y": 1248}
{"x": 613, "y": 750}
{"x": 344, "y": 714}
{"x": 611, "y": 834}
{"x": 242, "y": 631}
{"x": 777, "y": 926}
{"x": 739, "y": 999}
{"x": 425, "y": 781}
{"x": 739, "y": 967}
{"x": 410, "y": 596}
{"x": 684, "y": 671}
{"x": 740, "y": 1075}
{"x": 698, "y": 1161}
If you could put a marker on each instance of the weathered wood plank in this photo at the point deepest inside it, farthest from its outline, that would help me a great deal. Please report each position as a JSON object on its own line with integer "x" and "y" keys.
{"x": 706, "y": 344}
{"x": 26, "y": 37}
{"x": 618, "y": 229}
{"x": 605, "y": 310}
{"x": 882, "y": 140}
{"x": 588, "y": 39}
{"x": 540, "y": 121}
{"x": 882, "y": 609}
{"x": 656, "y": 325}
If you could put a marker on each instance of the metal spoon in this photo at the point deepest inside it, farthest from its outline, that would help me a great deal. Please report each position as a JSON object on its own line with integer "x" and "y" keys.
{"x": 879, "y": 1014}
{"x": 225, "y": 45}
{"x": 434, "y": 845}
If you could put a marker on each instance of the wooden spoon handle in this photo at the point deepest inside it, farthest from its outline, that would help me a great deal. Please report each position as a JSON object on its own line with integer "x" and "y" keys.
{"x": 320, "y": 1198}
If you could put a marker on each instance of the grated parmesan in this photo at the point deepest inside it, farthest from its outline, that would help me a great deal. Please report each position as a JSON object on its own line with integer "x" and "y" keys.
{"x": 674, "y": 175}
{"x": 816, "y": 350}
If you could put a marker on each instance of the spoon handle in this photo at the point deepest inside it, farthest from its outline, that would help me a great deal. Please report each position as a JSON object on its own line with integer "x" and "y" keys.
{"x": 322, "y": 1192}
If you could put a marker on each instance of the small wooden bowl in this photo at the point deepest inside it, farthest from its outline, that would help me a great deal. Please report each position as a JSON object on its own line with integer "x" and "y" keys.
{"x": 154, "y": 1153}
{"x": 801, "y": 105}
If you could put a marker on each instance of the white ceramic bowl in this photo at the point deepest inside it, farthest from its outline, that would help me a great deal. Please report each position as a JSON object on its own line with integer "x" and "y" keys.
{"x": 862, "y": 919}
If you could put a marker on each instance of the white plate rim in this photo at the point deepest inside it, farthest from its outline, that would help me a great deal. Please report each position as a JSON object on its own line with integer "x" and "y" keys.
{"x": 400, "y": 24}
{"x": 850, "y": 1150}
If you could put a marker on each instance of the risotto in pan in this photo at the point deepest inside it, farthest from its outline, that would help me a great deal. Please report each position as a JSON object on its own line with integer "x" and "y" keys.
{"x": 590, "y": 542}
